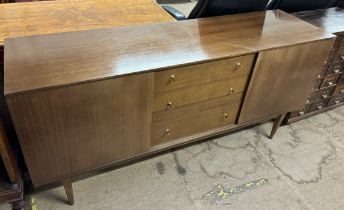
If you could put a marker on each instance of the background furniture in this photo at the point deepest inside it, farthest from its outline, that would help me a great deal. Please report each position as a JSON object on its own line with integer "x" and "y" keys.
{"x": 297, "y": 5}
{"x": 328, "y": 91}
{"x": 11, "y": 182}
{"x": 209, "y": 8}
{"x": 106, "y": 99}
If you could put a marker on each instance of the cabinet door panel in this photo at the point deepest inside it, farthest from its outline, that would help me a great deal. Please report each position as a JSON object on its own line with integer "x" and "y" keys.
{"x": 69, "y": 130}
{"x": 283, "y": 79}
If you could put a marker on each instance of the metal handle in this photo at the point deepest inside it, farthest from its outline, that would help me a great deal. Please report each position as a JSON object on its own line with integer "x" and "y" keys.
{"x": 302, "y": 112}
{"x": 169, "y": 105}
{"x": 225, "y": 115}
{"x": 320, "y": 106}
{"x": 173, "y": 77}
{"x": 342, "y": 56}
{"x": 336, "y": 101}
{"x": 330, "y": 83}
{"x": 231, "y": 91}
{"x": 341, "y": 91}
{"x": 325, "y": 95}
{"x": 336, "y": 69}
{"x": 238, "y": 65}
{"x": 167, "y": 132}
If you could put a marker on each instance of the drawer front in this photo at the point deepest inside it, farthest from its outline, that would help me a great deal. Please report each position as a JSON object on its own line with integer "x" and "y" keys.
{"x": 191, "y": 120}
{"x": 203, "y": 73}
{"x": 329, "y": 81}
{"x": 300, "y": 112}
{"x": 335, "y": 68}
{"x": 323, "y": 93}
{"x": 317, "y": 84}
{"x": 336, "y": 100}
{"x": 341, "y": 79}
{"x": 232, "y": 89}
{"x": 338, "y": 42}
{"x": 339, "y": 89}
{"x": 318, "y": 105}
{"x": 339, "y": 56}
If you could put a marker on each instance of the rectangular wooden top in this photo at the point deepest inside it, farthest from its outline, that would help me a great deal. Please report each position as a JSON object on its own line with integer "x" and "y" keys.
{"x": 46, "y": 61}
{"x": 331, "y": 20}
{"x": 47, "y": 17}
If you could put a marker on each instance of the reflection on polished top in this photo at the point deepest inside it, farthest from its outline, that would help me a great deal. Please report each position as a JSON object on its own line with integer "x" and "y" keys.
{"x": 332, "y": 19}
{"x": 33, "y": 18}
{"x": 45, "y": 61}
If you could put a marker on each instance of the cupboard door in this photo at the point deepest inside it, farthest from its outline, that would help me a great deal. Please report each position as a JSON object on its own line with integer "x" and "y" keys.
{"x": 283, "y": 79}
{"x": 69, "y": 130}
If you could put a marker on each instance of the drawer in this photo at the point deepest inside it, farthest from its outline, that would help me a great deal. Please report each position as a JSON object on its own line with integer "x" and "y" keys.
{"x": 341, "y": 79}
{"x": 203, "y": 73}
{"x": 317, "y": 84}
{"x": 329, "y": 81}
{"x": 335, "y": 68}
{"x": 192, "y": 119}
{"x": 338, "y": 42}
{"x": 336, "y": 100}
{"x": 300, "y": 112}
{"x": 322, "y": 94}
{"x": 338, "y": 56}
{"x": 318, "y": 105}
{"x": 231, "y": 89}
{"x": 339, "y": 89}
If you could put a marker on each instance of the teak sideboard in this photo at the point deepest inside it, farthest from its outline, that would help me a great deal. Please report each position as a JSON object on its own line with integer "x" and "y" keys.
{"x": 86, "y": 100}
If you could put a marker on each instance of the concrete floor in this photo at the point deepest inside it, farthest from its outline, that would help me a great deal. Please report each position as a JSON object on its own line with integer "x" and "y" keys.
{"x": 301, "y": 168}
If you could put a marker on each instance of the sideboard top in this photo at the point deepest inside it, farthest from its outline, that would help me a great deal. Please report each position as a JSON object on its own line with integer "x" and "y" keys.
{"x": 46, "y": 61}
{"x": 331, "y": 19}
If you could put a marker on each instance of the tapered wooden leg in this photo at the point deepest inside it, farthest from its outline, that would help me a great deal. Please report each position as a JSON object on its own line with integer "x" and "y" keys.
{"x": 67, "y": 184}
{"x": 276, "y": 125}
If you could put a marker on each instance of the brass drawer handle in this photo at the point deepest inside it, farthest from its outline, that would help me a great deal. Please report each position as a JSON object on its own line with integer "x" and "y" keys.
{"x": 225, "y": 115}
{"x": 320, "y": 106}
{"x": 336, "y": 69}
{"x": 238, "y": 65}
{"x": 173, "y": 77}
{"x": 231, "y": 91}
{"x": 169, "y": 105}
{"x": 167, "y": 132}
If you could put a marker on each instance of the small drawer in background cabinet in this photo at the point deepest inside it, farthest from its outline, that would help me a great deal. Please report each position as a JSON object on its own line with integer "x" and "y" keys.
{"x": 302, "y": 111}
{"x": 341, "y": 79}
{"x": 336, "y": 100}
{"x": 338, "y": 56}
{"x": 329, "y": 81}
{"x": 339, "y": 89}
{"x": 335, "y": 68}
{"x": 322, "y": 94}
{"x": 317, "y": 84}
{"x": 319, "y": 105}
{"x": 338, "y": 42}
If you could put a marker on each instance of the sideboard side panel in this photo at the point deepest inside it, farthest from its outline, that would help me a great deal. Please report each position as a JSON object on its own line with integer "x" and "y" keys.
{"x": 283, "y": 79}
{"x": 73, "y": 129}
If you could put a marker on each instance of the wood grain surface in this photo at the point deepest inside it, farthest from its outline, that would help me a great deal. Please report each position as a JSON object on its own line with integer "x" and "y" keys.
{"x": 47, "y": 61}
{"x": 283, "y": 79}
{"x": 68, "y": 130}
{"x": 48, "y": 17}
